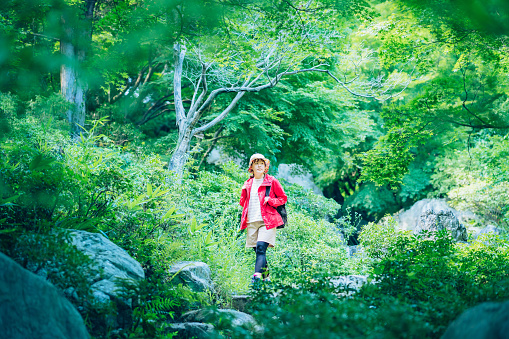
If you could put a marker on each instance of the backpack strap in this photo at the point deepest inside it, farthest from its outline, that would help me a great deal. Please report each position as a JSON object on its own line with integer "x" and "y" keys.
{"x": 267, "y": 191}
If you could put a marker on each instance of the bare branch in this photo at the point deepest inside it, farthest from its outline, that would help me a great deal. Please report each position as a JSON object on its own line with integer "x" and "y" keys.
{"x": 196, "y": 89}
{"x": 220, "y": 116}
{"x": 203, "y": 80}
{"x": 464, "y": 103}
{"x": 151, "y": 70}
{"x": 40, "y": 35}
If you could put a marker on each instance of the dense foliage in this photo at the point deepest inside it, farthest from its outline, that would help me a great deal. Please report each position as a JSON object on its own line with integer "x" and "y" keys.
{"x": 111, "y": 110}
{"x": 419, "y": 284}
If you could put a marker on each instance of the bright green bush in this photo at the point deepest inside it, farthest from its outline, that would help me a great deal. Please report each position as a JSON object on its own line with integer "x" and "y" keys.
{"x": 313, "y": 308}
{"x": 477, "y": 179}
{"x": 376, "y": 238}
{"x": 307, "y": 246}
{"x": 49, "y": 184}
{"x": 314, "y": 205}
{"x": 439, "y": 277}
{"x": 420, "y": 284}
{"x": 373, "y": 201}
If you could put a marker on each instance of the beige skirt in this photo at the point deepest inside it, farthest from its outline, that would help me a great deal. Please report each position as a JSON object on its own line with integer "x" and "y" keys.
{"x": 256, "y": 231}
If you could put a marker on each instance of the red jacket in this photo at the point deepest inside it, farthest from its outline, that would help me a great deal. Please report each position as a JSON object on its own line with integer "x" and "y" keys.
{"x": 277, "y": 197}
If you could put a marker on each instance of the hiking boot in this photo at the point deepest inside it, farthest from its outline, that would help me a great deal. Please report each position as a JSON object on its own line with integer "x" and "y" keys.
{"x": 255, "y": 281}
{"x": 256, "y": 277}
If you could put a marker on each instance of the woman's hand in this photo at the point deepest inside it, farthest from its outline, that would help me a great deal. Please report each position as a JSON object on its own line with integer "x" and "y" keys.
{"x": 244, "y": 187}
{"x": 265, "y": 200}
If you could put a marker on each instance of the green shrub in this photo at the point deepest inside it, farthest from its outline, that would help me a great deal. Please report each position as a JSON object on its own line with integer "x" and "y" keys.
{"x": 376, "y": 238}
{"x": 477, "y": 179}
{"x": 49, "y": 184}
{"x": 420, "y": 284}
{"x": 311, "y": 307}
{"x": 307, "y": 246}
{"x": 441, "y": 278}
{"x": 156, "y": 301}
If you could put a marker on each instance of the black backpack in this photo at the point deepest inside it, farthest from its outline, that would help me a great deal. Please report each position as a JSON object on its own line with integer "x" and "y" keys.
{"x": 280, "y": 209}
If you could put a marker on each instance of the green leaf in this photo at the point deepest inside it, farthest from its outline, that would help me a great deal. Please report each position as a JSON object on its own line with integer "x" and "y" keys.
{"x": 194, "y": 227}
{"x": 98, "y": 161}
{"x": 8, "y": 201}
{"x": 39, "y": 163}
{"x": 168, "y": 214}
{"x": 10, "y": 230}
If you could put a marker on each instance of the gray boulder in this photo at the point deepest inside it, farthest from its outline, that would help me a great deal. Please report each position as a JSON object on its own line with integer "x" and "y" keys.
{"x": 239, "y": 302}
{"x": 33, "y": 308}
{"x": 190, "y": 330}
{"x": 432, "y": 214}
{"x": 111, "y": 266}
{"x": 485, "y": 321}
{"x": 193, "y": 274}
{"x": 438, "y": 220}
{"x": 353, "y": 282}
{"x": 409, "y": 219}
{"x": 237, "y": 318}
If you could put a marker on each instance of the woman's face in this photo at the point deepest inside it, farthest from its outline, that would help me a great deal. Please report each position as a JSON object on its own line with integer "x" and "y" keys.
{"x": 258, "y": 167}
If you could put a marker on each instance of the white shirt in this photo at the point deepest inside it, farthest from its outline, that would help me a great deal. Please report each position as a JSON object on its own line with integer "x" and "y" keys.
{"x": 254, "y": 212}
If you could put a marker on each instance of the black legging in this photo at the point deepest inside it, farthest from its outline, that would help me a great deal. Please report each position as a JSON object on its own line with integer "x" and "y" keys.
{"x": 261, "y": 265}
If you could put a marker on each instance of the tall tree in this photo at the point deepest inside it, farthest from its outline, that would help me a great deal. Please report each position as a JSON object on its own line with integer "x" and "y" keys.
{"x": 253, "y": 51}
{"x": 74, "y": 46}
{"x": 98, "y": 41}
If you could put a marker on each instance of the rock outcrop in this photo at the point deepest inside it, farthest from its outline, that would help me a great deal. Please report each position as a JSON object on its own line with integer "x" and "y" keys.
{"x": 433, "y": 215}
{"x": 409, "y": 219}
{"x": 439, "y": 220}
{"x": 111, "y": 265}
{"x": 214, "y": 317}
{"x": 485, "y": 321}
{"x": 239, "y": 302}
{"x": 193, "y": 274}
{"x": 190, "y": 330}
{"x": 201, "y": 324}
{"x": 31, "y": 307}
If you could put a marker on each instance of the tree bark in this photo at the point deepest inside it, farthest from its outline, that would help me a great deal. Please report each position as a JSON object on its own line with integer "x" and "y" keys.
{"x": 72, "y": 88}
{"x": 77, "y": 36}
{"x": 181, "y": 154}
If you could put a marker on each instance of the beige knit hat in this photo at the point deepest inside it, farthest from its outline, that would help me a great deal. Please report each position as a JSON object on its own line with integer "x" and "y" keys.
{"x": 258, "y": 156}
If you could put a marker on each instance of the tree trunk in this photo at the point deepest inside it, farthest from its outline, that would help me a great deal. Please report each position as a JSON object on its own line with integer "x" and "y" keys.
{"x": 179, "y": 158}
{"x": 73, "y": 45}
{"x": 72, "y": 88}
{"x": 186, "y": 121}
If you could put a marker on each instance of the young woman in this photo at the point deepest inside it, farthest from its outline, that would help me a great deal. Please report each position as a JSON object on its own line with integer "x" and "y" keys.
{"x": 259, "y": 215}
